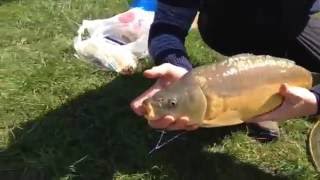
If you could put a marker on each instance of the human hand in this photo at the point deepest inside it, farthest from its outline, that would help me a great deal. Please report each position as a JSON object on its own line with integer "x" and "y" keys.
{"x": 166, "y": 75}
{"x": 297, "y": 102}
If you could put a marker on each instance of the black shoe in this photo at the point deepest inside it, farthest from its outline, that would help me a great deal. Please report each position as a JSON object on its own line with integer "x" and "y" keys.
{"x": 263, "y": 134}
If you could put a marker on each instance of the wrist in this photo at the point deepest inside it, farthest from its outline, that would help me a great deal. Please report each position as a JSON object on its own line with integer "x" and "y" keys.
{"x": 176, "y": 57}
{"x": 181, "y": 61}
{"x": 314, "y": 103}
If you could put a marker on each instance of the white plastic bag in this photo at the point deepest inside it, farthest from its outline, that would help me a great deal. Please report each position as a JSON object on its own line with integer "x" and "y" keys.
{"x": 117, "y": 43}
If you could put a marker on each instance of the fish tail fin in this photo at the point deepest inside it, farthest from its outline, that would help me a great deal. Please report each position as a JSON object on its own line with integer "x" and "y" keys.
{"x": 315, "y": 78}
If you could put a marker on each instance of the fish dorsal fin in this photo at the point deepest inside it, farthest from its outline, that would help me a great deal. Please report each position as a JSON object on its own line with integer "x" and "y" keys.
{"x": 241, "y": 55}
{"x": 315, "y": 78}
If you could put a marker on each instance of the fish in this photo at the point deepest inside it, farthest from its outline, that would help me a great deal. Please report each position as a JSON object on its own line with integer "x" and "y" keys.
{"x": 228, "y": 92}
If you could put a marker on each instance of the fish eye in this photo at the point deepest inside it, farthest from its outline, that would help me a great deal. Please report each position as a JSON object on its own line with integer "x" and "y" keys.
{"x": 172, "y": 102}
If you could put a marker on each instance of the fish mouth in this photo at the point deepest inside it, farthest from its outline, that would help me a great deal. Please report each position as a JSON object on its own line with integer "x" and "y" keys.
{"x": 149, "y": 111}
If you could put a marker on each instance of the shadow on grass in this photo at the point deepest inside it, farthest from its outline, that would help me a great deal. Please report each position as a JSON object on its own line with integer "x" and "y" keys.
{"x": 96, "y": 135}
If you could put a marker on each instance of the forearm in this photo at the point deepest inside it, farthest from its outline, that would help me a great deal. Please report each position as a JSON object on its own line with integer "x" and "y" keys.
{"x": 167, "y": 33}
{"x": 316, "y": 91}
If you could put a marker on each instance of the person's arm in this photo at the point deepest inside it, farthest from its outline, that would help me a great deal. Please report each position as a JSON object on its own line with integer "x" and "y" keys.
{"x": 316, "y": 91}
{"x": 171, "y": 25}
{"x": 298, "y": 102}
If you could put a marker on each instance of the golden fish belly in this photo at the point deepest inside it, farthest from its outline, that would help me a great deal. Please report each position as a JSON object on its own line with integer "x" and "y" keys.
{"x": 254, "y": 102}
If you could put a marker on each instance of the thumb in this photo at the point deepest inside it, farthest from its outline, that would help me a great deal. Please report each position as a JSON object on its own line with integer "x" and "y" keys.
{"x": 156, "y": 72}
{"x": 284, "y": 90}
{"x": 290, "y": 94}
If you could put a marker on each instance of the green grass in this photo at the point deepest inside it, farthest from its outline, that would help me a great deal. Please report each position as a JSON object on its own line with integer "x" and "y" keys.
{"x": 61, "y": 118}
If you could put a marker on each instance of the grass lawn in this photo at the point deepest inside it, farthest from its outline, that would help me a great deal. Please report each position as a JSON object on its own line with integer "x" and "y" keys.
{"x": 61, "y": 118}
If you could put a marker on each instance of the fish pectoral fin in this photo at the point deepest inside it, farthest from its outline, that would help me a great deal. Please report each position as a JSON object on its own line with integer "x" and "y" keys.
{"x": 227, "y": 118}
